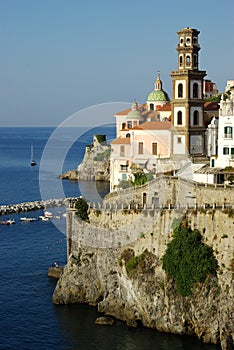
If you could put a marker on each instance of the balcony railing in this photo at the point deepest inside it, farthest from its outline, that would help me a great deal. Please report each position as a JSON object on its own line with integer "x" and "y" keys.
{"x": 228, "y": 136}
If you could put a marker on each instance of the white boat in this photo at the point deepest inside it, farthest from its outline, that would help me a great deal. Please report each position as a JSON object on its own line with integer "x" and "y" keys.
{"x": 27, "y": 219}
{"x": 33, "y": 162}
{"x": 10, "y": 221}
{"x": 7, "y": 222}
{"x": 44, "y": 218}
{"x": 48, "y": 214}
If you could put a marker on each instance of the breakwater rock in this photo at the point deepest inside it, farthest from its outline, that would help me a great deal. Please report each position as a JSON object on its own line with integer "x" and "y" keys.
{"x": 29, "y": 206}
{"x": 140, "y": 292}
{"x": 55, "y": 271}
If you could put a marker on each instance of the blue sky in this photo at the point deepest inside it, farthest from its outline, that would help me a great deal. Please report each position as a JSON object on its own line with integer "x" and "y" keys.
{"x": 59, "y": 56}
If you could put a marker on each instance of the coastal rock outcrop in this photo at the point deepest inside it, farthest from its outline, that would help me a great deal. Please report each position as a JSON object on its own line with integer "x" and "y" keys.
{"x": 95, "y": 165}
{"x": 143, "y": 293}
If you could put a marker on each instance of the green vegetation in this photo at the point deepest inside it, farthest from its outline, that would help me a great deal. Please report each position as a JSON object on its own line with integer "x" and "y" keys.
{"x": 142, "y": 263}
{"x": 216, "y": 98}
{"x": 101, "y": 138}
{"x": 231, "y": 178}
{"x": 82, "y": 209}
{"x": 229, "y": 169}
{"x": 188, "y": 260}
{"x": 103, "y": 155}
{"x": 140, "y": 178}
{"x": 133, "y": 263}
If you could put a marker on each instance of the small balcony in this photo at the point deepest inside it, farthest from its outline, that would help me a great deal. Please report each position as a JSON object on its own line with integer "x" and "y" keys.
{"x": 228, "y": 136}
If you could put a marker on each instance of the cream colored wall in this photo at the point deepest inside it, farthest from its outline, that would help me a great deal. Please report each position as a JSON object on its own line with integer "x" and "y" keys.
{"x": 162, "y": 138}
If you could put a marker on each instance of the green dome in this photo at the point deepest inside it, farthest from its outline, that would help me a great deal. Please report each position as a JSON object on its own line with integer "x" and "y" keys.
{"x": 134, "y": 115}
{"x": 158, "y": 95}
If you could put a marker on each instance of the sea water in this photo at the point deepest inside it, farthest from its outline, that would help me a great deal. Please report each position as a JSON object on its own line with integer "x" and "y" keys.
{"x": 28, "y": 319}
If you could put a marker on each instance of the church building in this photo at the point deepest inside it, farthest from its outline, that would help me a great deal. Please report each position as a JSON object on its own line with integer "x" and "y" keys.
{"x": 161, "y": 136}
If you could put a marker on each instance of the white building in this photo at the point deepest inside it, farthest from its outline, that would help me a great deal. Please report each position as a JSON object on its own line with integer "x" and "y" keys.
{"x": 225, "y": 154}
{"x": 143, "y": 144}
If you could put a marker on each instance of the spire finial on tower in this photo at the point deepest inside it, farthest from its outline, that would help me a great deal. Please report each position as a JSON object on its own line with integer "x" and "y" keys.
{"x": 134, "y": 105}
{"x": 158, "y": 83}
{"x": 158, "y": 78}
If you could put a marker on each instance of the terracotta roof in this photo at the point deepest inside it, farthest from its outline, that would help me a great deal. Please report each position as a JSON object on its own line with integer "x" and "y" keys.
{"x": 211, "y": 106}
{"x": 121, "y": 141}
{"x": 141, "y": 108}
{"x": 153, "y": 126}
{"x": 145, "y": 112}
{"x": 166, "y": 107}
{"x": 125, "y": 112}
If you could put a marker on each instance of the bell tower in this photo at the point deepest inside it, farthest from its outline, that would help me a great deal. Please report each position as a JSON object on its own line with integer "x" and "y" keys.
{"x": 188, "y": 136}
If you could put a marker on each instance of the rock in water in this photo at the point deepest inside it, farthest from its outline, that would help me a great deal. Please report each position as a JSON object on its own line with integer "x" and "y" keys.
{"x": 105, "y": 321}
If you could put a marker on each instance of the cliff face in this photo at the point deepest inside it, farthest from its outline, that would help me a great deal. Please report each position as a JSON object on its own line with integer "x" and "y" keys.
{"x": 99, "y": 276}
{"x": 95, "y": 165}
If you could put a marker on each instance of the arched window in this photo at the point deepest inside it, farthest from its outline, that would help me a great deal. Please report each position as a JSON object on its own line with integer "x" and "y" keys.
{"x": 195, "y": 90}
{"x": 195, "y": 118}
{"x": 128, "y": 135}
{"x": 181, "y": 60}
{"x": 151, "y": 106}
{"x": 179, "y": 118}
{"x": 187, "y": 60}
{"x": 180, "y": 90}
{"x": 129, "y": 124}
{"x": 123, "y": 126}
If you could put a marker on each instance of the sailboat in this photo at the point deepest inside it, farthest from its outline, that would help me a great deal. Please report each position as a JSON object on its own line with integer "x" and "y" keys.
{"x": 33, "y": 162}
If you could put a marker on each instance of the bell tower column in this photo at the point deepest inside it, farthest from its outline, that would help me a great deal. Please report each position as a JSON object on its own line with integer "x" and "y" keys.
{"x": 187, "y": 97}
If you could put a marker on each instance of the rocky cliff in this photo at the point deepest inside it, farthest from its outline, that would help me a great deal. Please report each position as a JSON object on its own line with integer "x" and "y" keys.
{"x": 95, "y": 165}
{"x": 98, "y": 275}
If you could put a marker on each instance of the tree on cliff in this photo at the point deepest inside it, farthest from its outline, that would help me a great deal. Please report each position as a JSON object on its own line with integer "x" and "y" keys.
{"x": 82, "y": 209}
{"x": 188, "y": 260}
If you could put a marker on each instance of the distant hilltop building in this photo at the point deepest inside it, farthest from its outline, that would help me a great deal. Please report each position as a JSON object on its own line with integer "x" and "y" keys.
{"x": 209, "y": 88}
{"x": 160, "y": 136}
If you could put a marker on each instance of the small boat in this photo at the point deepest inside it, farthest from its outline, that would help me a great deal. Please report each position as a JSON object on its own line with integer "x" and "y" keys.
{"x": 33, "y": 162}
{"x": 27, "y": 219}
{"x": 7, "y": 222}
{"x": 44, "y": 218}
{"x": 10, "y": 222}
{"x": 48, "y": 214}
{"x": 3, "y": 223}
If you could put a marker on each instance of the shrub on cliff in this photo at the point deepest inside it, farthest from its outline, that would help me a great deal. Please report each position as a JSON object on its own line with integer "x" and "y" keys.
{"x": 188, "y": 260}
{"x": 138, "y": 264}
{"x": 82, "y": 209}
